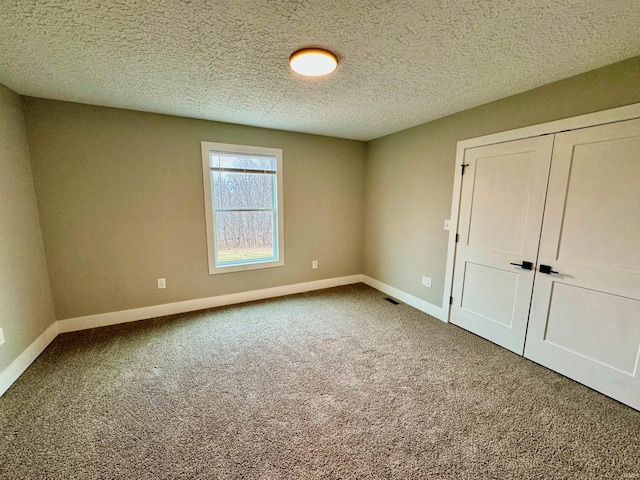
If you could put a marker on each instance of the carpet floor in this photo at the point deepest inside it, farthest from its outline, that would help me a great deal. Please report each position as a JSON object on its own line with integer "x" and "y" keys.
{"x": 337, "y": 383}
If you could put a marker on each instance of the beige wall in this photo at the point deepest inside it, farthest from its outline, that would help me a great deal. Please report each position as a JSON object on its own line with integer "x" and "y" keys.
{"x": 121, "y": 204}
{"x": 26, "y": 309}
{"x": 409, "y": 175}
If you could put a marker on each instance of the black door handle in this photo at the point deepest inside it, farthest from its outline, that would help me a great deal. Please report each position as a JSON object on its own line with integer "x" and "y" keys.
{"x": 524, "y": 265}
{"x": 546, "y": 269}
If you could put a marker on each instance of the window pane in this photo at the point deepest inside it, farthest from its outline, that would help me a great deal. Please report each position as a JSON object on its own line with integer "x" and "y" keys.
{"x": 243, "y": 216}
{"x": 242, "y": 190}
{"x": 243, "y": 236}
{"x": 250, "y": 162}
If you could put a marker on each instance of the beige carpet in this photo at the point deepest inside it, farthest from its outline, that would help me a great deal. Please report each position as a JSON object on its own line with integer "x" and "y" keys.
{"x": 331, "y": 384}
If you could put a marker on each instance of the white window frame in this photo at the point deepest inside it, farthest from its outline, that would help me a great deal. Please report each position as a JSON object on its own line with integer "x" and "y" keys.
{"x": 207, "y": 147}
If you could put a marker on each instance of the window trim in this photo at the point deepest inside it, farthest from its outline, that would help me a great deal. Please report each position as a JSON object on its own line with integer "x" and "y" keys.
{"x": 206, "y": 148}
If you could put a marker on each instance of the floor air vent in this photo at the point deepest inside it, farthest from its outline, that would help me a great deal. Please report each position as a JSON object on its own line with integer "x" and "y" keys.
{"x": 392, "y": 300}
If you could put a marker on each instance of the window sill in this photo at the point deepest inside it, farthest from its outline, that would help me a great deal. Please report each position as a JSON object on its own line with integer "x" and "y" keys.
{"x": 244, "y": 267}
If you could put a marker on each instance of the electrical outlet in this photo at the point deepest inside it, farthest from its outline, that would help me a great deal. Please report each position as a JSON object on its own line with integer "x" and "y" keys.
{"x": 426, "y": 281}
{"x": 314, "y": 264}
{"x": 1, "y": 336}
{"x": 162, "y": 283}
{"x": 447, "y": 224}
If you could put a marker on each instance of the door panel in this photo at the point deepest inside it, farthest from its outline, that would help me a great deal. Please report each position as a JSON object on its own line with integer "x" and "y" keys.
{"x": 604, "y": 182}
{"x": 585, "y": 320}
{"x": 502, "y": 202}
{"x": 489, "y": 293}
{"x": 498, "y": 216}
{"x": 575, "y": 324}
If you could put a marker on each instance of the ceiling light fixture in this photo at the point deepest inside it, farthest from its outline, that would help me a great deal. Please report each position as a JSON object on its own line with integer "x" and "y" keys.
{"x": 313, "y": 62}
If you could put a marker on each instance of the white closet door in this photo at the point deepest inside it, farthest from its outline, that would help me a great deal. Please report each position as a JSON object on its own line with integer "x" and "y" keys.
{"x": 503, "y": 193}
{"x": 585, "y": 319}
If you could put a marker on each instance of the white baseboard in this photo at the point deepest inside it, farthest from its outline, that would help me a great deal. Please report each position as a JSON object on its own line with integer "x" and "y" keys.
{"x": 26, "y": 358}
{"x": 415, "y": 302}
{"x": 16, "y": 368}
{"x": 20, "y": 364}
{"x": 123, "y": 316}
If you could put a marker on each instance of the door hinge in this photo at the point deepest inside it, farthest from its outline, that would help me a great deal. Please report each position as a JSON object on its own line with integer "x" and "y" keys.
{"x": 450, "y": 300}
{"x": 464, "y": 165}
{"x": 457, "y": 237}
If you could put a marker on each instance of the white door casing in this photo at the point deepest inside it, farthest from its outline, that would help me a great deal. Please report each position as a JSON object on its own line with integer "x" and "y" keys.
{"x": 501, "y": 208}
{"x": 585, "y": 319}
{"x": 618, "y": 114}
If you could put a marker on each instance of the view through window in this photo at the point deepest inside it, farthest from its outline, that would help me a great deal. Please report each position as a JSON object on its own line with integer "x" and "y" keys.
{"x": 244, "y": 200}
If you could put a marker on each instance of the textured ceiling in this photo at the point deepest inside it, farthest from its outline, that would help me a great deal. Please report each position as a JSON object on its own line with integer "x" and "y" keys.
{"x": 402, "y": 62}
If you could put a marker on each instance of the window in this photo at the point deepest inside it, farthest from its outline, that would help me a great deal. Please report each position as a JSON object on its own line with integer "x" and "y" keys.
{"x": 243, "y": 205}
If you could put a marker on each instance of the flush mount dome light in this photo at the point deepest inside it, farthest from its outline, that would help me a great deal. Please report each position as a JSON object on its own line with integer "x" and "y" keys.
{"x": 313, "y": 62}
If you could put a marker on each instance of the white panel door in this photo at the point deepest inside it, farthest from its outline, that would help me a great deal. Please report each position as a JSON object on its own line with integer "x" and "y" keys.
{"x": 585, "y": 316}
{"x": 501, "y": 207}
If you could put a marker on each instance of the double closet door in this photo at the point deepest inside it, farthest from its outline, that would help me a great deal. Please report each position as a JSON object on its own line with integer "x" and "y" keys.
{"x": 547, "y": 261}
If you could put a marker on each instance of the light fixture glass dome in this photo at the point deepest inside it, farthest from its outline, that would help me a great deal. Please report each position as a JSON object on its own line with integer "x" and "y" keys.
{"x": 313, "y": 62}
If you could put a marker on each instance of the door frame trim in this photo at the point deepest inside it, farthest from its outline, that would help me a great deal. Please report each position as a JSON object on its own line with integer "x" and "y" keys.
{"x": 613, "y": 115}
